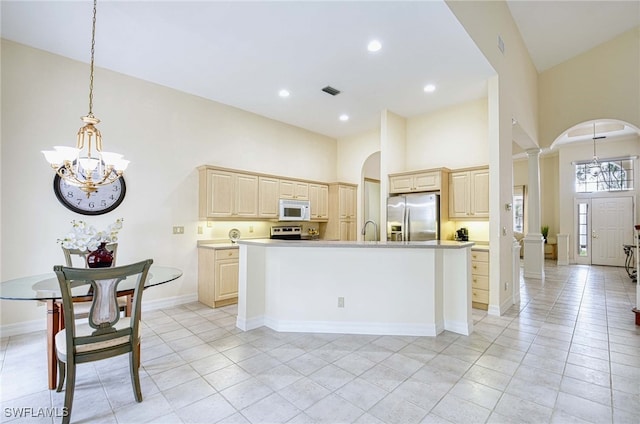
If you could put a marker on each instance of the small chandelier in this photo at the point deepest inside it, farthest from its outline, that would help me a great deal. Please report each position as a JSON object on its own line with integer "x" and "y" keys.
{"x": 594, "y": 166}
{"x": 88, "y": 169}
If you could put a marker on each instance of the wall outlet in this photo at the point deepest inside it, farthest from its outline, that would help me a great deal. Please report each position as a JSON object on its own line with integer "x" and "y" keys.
{"x": 341, "y": 302}
{"x": 178, "y": 230}
{"x": 199, "y": 229}
{"x": 251, "y": 228}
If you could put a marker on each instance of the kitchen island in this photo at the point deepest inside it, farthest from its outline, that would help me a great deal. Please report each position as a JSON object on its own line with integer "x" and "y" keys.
{"x": 386, "y": 288}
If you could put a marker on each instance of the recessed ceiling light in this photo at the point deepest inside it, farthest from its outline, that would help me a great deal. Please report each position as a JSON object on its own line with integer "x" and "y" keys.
{"x": 283, "y": 93}
{"x": 429, "y": 88}
{"x": 344, "y": 117}
{"x": 374, "y": 46}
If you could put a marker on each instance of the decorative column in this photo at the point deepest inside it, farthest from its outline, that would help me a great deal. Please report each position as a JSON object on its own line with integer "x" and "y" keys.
{"x": 533, "y": 241}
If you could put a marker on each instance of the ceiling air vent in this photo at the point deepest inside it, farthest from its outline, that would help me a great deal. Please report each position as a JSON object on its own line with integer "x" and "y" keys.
{"x": 331, "y": 90}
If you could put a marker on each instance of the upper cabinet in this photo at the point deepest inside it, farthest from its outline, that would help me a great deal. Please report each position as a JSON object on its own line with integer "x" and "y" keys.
{"x": 291, "y": 189}
{"x": 469, "y": 194}
{"x": 226, "y": 194}
{"x": 319, "y": 200}
{"x": 269, "y": 194}
{"x": 230, "y": 194}
{"x": 415, "y": 182}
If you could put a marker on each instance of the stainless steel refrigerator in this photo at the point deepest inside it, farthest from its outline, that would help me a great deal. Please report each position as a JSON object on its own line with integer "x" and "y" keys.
{"x": 413, "y": 217}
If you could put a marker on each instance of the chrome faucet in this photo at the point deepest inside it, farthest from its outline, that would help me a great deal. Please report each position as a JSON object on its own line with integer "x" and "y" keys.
{"x": 375, "y": 228}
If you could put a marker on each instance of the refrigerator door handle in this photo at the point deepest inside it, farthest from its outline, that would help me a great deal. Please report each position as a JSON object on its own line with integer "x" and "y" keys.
{"x": 408, "y": 228}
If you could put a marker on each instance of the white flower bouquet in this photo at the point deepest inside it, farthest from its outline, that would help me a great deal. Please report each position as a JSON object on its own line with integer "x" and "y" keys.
{"x": 85, "y": 237}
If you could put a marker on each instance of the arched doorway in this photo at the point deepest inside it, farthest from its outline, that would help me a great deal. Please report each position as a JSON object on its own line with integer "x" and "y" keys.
{"x": 597, "y": 190}
{"x": 371, "y": 200}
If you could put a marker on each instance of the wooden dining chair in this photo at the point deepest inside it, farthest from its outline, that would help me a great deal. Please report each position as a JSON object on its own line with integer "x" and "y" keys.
{"x": 78, "y": 258}
{"x": 106, "y": 334}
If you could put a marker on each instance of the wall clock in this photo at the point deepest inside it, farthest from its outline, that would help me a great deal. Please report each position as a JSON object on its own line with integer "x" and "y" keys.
{"x": 106, "y": 199}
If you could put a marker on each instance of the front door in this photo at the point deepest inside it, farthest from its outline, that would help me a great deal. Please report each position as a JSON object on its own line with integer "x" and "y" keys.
{"x": 611, "y": 227}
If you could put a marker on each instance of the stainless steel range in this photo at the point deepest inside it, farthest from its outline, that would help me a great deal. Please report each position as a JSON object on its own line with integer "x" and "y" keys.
{"x": 287, "y": 232}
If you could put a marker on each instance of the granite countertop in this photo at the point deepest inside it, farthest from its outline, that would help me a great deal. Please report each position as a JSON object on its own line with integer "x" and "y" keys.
{"x": 434, "y": 244}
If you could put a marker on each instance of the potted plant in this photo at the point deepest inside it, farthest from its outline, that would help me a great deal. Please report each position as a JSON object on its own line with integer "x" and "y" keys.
{"x": 545, "y": 231}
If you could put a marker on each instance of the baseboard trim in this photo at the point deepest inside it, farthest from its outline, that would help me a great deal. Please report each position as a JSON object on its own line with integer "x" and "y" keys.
{"x": 334, "y": 327}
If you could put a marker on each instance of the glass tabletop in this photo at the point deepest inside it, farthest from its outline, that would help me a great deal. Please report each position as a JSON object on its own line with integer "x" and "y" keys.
{"x": 45, "y": 286}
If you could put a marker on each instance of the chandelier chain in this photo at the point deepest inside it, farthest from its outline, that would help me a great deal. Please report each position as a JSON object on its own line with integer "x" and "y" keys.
{"x": 93, "y": 47}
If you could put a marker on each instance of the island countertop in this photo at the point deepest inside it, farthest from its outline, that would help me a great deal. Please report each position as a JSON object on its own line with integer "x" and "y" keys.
{"x": 432, "y": 244}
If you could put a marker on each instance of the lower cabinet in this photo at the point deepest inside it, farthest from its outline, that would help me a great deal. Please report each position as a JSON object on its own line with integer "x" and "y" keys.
{"x": 480, "y": 279}
{"x": 218, "y": 276}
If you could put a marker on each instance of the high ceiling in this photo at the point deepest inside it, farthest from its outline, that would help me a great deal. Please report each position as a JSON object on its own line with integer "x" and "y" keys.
{"x": 243, "y": 53}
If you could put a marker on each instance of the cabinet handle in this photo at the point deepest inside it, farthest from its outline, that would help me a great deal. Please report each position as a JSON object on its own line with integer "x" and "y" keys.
{"x": 475, "y": 280}
{"x": 230, "y": 253}
{"x": 474, "y": 267}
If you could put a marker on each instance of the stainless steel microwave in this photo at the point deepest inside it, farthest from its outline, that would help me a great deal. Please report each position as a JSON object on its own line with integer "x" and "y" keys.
{"x": 294, "y": 210}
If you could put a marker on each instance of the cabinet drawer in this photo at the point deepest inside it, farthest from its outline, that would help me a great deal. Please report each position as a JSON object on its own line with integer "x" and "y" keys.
{"x": 480, "y": 282}
{"x": 479, "y": 268}
{"x": 227, "y": 254}
{"x": 480, "y": 256}
{"x": 480, "y": 296}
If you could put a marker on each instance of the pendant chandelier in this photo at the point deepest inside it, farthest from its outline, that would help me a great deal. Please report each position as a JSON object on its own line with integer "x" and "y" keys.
{"x": 87, "y": 169}
{"x": 594, "y": 167}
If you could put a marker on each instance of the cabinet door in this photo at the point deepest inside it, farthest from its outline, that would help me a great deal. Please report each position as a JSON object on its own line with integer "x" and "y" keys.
{"x": 347, "y": 207}
{"x": 319, "y": 200}
{"x": 323, "y": 202}
{"x": 347, "y": 230}
{"x": 287, "y": 189}
{"x": 268, "y": 195}
{"x": 220, "y": 197}
{"x": 400, "y": 184}
{"x": 479, "y": 193}
{"x": 226, "y": 285}
{"x": 301, "y": 191}
{"x": 246, "y": 195}
{"x": 459, "y": 195}
{"x": 426, "y": 182}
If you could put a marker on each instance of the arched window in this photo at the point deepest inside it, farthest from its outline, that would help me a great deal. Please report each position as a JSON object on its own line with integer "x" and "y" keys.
{"x": 614, "y": 175}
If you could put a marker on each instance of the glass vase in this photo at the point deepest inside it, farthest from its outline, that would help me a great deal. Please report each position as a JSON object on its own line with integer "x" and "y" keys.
{"x": 100, "y": 258}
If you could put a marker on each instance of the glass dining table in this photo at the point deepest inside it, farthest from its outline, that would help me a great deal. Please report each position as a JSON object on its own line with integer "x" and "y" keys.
{"x": 45, "y": 288}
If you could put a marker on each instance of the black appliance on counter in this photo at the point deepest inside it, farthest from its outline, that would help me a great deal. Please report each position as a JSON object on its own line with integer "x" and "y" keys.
{"x": 286, "y": 232}
{"x": 462, "y": 234}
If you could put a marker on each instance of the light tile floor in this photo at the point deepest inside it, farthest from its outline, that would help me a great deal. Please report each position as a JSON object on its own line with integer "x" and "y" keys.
{"x": 568, "y": 353}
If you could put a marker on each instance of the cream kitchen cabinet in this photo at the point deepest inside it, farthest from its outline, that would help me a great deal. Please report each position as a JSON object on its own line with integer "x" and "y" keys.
{"x": 218, "y": 275}
{"x": 415, "y": 182}
{"x": 469, "y": 194}
{"x": 291, "y": 189}
{"x": 342, "y": 212}
{"x": 227, "y": 194}
{"x": 269, "y": 194}
{"x": 319, "y": 200}
{"x": 480, "y": 278}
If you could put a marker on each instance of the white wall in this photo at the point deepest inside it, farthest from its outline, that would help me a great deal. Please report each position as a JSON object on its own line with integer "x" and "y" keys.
{"x": 165, "y": 133}
{"x": 462, "y": 128}
{"x": 598, "y": 84}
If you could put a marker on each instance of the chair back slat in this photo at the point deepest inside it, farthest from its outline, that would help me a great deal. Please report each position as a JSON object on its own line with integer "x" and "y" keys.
{"x": 104, "y": 311}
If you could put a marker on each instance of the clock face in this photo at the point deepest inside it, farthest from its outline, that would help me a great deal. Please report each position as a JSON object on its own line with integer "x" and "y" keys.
{"x": 104, "y": 200}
